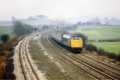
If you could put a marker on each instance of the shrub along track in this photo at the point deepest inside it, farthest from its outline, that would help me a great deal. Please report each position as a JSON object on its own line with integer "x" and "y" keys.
{"x": 92, "y": 66}
{"x": 28, "y": 69}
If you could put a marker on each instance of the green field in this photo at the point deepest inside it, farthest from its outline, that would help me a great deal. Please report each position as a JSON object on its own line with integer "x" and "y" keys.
{"x": 6, "y": 30}
{"x": 109, "y": 46}
{"x": 102, "y": 32}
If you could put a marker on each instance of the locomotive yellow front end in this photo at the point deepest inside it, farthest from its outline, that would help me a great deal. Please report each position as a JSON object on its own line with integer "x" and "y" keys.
{"x": 77, "y": 43}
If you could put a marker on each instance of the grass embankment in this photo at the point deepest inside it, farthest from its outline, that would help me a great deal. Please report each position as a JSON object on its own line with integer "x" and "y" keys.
{"x": 6, "y": 61}
{"x": 53, "y": 66}
{"x": 5, "y": 53}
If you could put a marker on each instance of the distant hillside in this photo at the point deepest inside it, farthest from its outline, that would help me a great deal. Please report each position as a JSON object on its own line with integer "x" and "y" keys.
{"x": 106, "y": 21}
{"x": 40, "y": 20}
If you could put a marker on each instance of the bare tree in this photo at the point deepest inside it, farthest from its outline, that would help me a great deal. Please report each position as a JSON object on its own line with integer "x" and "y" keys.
{"x": 21, "y": 29}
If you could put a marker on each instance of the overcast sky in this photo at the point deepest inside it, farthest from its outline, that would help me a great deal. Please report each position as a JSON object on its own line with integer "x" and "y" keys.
{"x": 59, "y": 8}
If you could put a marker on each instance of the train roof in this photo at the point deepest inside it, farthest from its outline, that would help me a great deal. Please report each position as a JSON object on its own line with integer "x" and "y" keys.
{"x": 64, "y": 34}
{"x": 68, "y": 36}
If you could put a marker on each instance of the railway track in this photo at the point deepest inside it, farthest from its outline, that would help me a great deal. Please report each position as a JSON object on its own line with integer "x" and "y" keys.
{"x": 94, "y": 67}
{"x": 28, "y": 69}
{"x": 99, "y": 61}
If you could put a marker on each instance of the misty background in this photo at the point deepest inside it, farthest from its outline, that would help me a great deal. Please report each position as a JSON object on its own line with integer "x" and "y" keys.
{"x": 105, "y": 11}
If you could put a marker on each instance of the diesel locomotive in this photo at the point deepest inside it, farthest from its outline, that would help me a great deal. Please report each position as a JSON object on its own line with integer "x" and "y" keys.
{"x": 70, "y": 41}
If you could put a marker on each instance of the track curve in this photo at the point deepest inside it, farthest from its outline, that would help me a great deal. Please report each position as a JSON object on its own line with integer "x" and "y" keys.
{"x": 88, "y": 64}
{"x": 28, "y": 69}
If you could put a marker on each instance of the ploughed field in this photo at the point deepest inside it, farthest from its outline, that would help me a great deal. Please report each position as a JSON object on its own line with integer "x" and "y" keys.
{"x": 102, "y": 33}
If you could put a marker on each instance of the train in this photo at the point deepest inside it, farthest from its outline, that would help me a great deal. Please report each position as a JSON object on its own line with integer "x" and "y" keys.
{"x": 71, "y": 42}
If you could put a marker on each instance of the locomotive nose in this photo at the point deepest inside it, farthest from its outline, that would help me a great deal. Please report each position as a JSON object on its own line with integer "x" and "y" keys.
{"x": 76, "y": 43}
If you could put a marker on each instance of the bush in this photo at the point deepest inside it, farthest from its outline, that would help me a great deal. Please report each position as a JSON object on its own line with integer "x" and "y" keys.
{"x": 101, "y": 52}
{"x": 118, "y": 57}
{"x": 4, "y": 38}
{"x": 91, "y": 47}
{"x": 111, "y": 55}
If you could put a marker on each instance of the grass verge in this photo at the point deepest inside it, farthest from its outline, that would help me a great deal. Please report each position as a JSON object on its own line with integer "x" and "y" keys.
{"x": 51, "y": 71}
{"x": 50, "y": 65}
